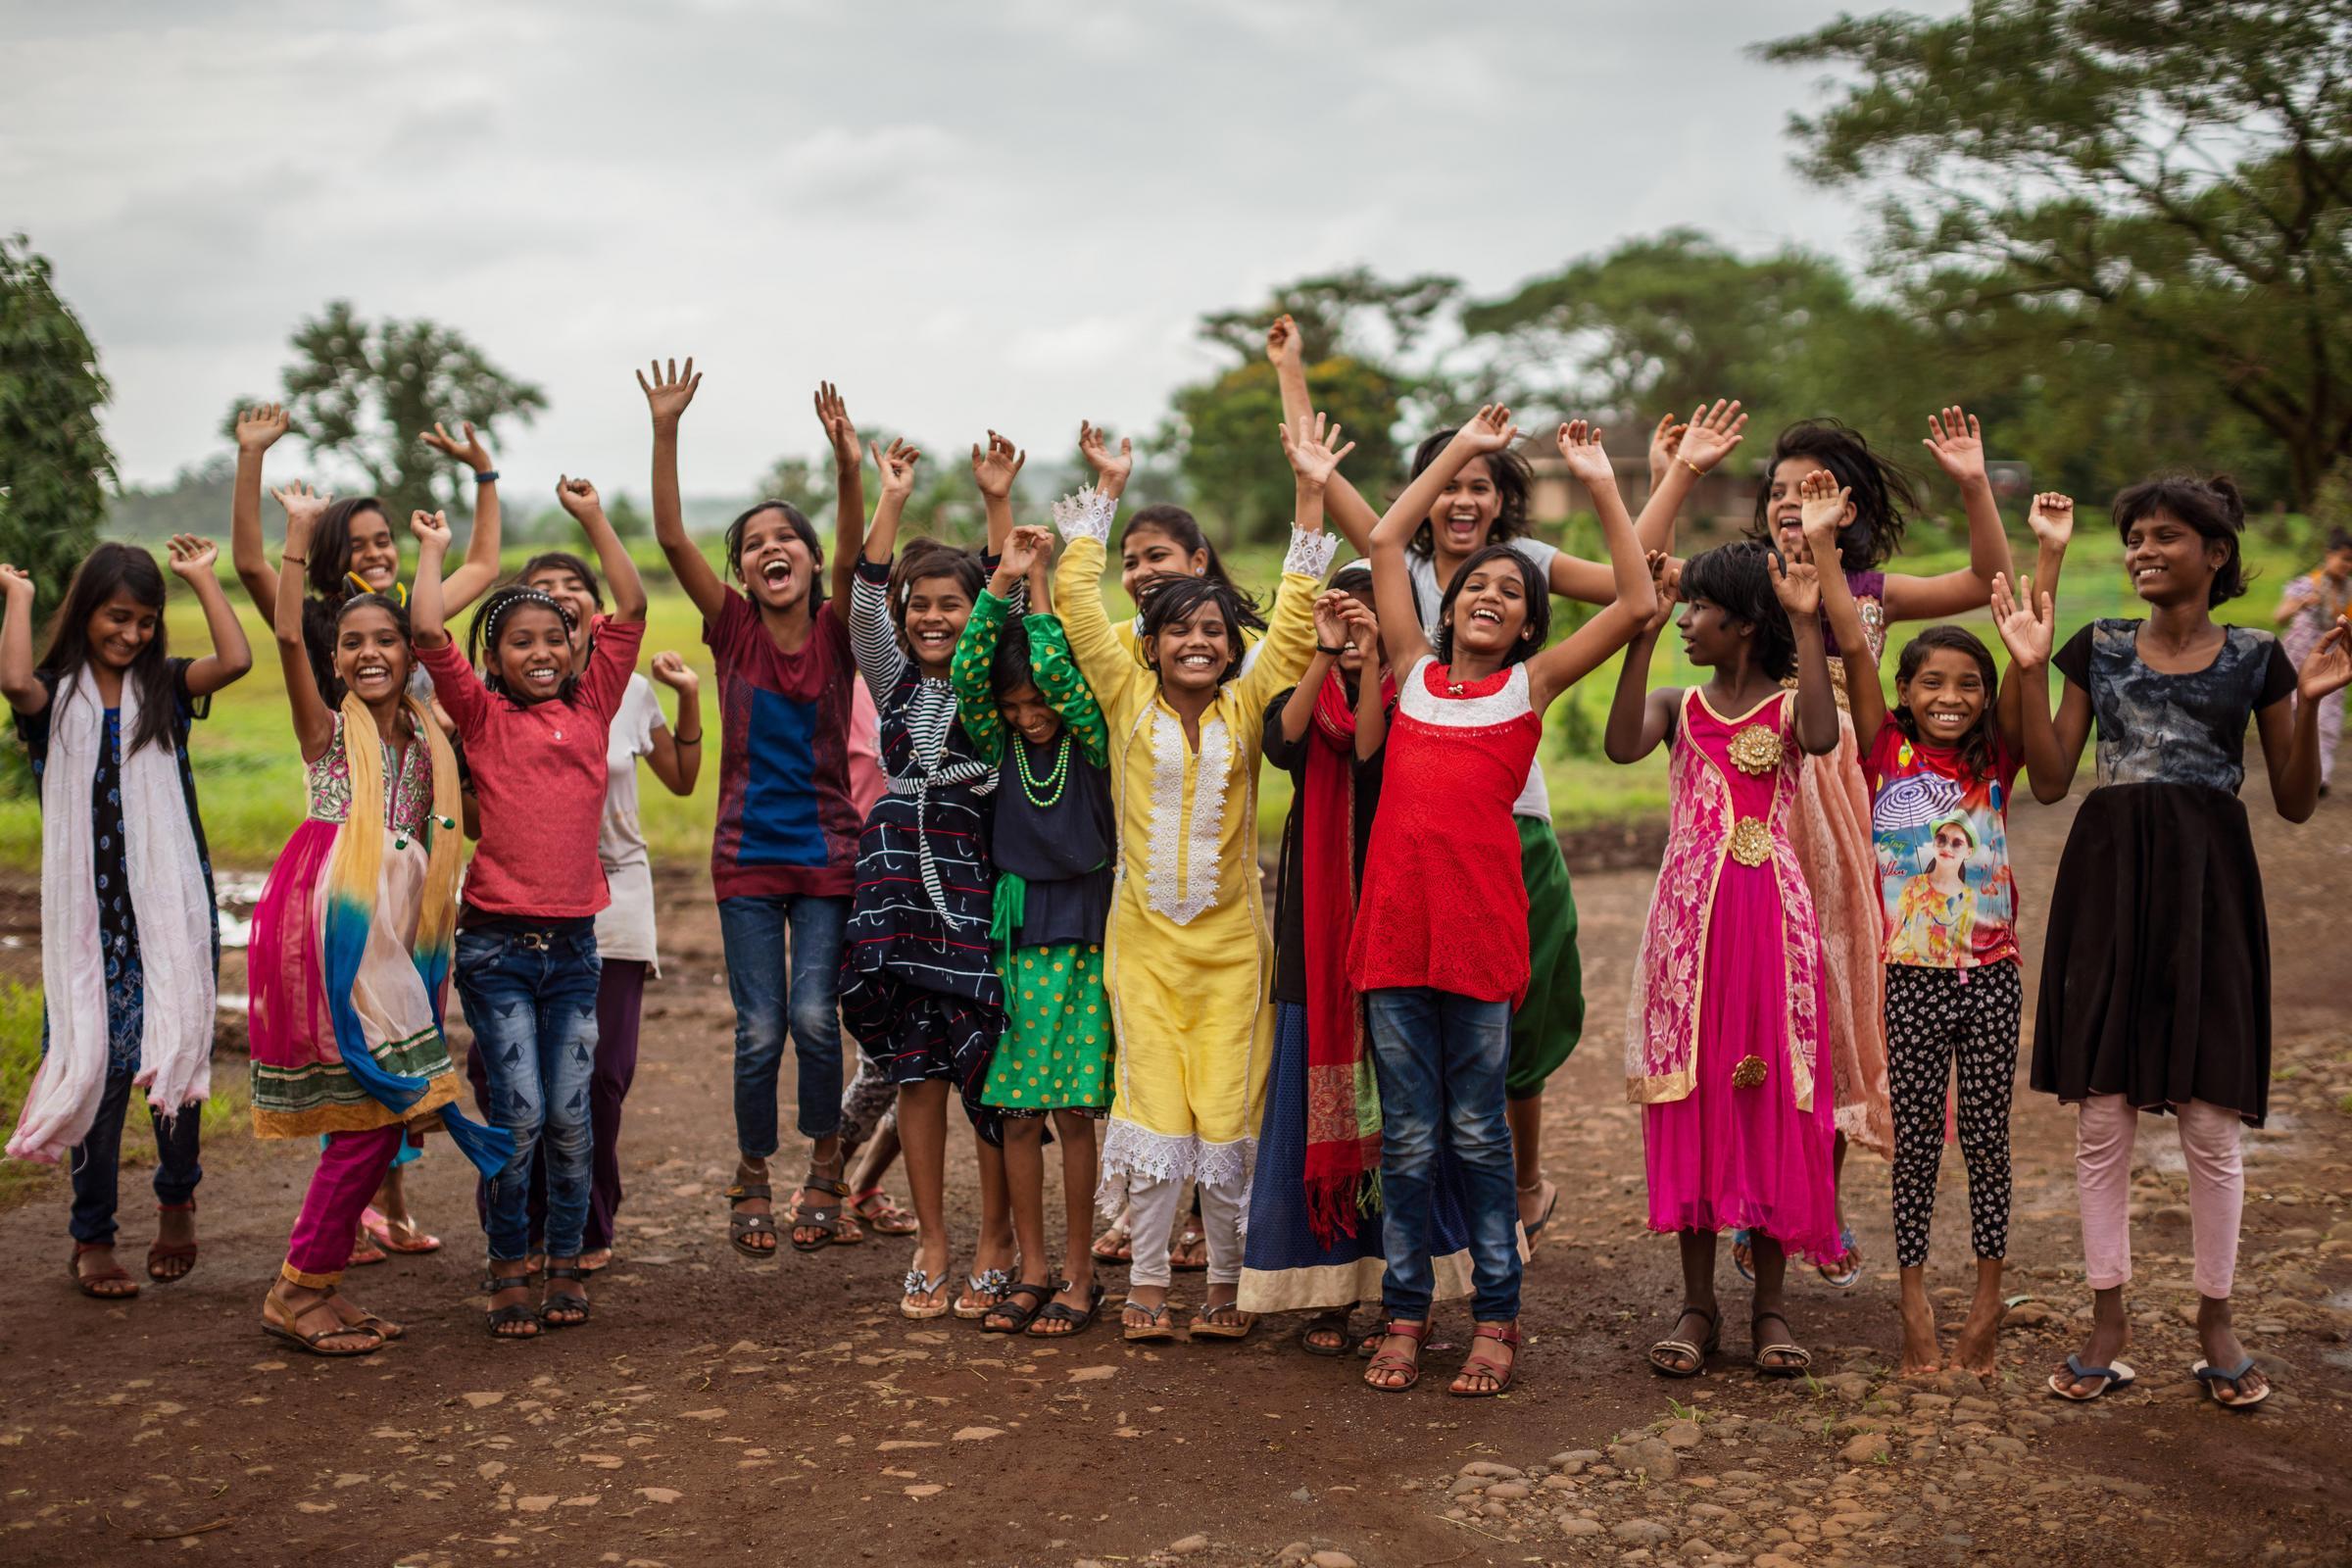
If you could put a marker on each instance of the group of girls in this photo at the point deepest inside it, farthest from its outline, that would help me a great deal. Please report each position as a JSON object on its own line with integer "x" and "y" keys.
{"x": 1028, "y": 882}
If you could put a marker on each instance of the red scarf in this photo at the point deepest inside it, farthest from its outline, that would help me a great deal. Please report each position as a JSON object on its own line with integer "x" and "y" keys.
{"x": 1343, "y": 1098}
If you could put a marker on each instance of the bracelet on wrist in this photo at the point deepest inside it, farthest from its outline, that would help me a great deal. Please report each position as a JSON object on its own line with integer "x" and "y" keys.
{"x": 300, "y": 560}
{"x": 1696, "y": 472}
{"x": 689, "y": 740}
{"x": 1331, "y": 653}
{"x": 485, "y": 476}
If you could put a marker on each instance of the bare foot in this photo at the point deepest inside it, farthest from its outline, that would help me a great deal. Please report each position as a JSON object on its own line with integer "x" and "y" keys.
{"x": 1981, "y": 1335}
{"x": 1921, "y": 1354}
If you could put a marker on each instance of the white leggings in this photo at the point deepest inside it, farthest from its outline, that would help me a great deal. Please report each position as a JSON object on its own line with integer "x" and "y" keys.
{"x": 1152, "y": 1210}
{"x": 2217, "y": 1190}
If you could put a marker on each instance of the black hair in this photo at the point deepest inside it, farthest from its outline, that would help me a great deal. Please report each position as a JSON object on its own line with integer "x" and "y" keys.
{"x": 105, "y": 571}
{"x": 481, "y": 637}
{"x": 931, "y": 558}
{"x": 1169, "y": 596}
{"x": 1355, "y": 577}
{"x": 1735, "y": 578}
{"x": 1533, "y": 636}
{"x": 1976, "y": 747}
{"x": 801, "y": 525}
{"x": 1009, "y": 667}
{"x": 2211, "y": 506}
{"x": 330, "y": 576}
{"x": 2337, "y": 539}
{"x": 1883, "y": 493}
{"x": 1185, "y": 528}
{"x": 564, "y": 560}
{"x": 1513, "y": 480}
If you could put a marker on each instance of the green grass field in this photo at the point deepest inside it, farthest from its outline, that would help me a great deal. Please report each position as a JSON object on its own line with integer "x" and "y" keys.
{"x": 249, "y": 775}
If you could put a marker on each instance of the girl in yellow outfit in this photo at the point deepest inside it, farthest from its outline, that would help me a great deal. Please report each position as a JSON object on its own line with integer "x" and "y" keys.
{"x": 1187, "y": 954}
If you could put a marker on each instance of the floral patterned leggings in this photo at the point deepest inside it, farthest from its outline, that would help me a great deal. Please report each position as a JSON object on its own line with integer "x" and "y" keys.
{"x": 1934, "y": 1018}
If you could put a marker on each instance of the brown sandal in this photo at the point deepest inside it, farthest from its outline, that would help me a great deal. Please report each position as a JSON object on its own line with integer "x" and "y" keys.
{"x": 834, "y": 1227}
{"x": 164, "y": 1251}
{"x": 115, "y": 1275}
{"x": 315, "y": 1343}
{"x": 741, "y": 1226}
{"x": 1502, "y": 1375}
{"x": 1236, "y": 1324}
{"x": 1387, "y": 1361}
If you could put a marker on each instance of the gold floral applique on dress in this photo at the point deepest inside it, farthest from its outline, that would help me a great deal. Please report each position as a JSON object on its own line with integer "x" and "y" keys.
{"x": 1756, "y": 750}
{"x": 1749, "y": 1074}
{"x": 1751, "y": 842}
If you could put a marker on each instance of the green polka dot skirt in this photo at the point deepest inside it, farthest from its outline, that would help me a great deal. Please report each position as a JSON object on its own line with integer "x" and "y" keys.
{"x": 1056, "y": 1053}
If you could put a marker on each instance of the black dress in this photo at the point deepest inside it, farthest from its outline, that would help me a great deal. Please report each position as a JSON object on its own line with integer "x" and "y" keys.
{"x": 2156, "y": 972}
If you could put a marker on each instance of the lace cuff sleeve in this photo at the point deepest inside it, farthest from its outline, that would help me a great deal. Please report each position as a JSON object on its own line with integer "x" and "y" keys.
{"x": 1310, "y": 553}
{"x": 1086, "y": 515}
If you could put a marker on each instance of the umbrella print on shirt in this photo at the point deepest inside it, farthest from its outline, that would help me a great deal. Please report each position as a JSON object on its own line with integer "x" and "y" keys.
{"x": 1917, "y": 801}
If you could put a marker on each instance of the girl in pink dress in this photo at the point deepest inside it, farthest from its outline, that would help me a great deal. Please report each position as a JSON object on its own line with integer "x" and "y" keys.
{"x": 1727, "y": 1044}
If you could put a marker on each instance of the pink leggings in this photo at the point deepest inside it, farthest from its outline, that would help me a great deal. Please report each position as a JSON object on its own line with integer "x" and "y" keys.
{"x": 350, "y": 1167}
{"x": 2217, "y": 1188}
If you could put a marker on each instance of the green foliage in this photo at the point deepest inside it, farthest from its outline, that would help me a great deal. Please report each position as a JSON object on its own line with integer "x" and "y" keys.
{"x": 362, "y": 391}
{"x": 1230, "y": 456}
{"x": 54, "y": 458}
{"x": 2153, "y": 190}
{"x": 196, "y": 501}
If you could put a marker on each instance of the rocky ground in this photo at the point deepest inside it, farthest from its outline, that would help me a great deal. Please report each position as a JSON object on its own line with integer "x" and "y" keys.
{"x": 718, "y": 1410}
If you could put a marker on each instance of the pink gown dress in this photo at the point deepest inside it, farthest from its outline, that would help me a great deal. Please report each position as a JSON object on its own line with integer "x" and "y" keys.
{"x": 1727, "y": 1041}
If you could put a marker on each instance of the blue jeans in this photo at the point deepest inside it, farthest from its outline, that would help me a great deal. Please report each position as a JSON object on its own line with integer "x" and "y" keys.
{"x": 1441, "y": 1060}
{"x": 778, "y": 988}
{"x": 530, "y": 999}
{"x": 97, "y": 1160}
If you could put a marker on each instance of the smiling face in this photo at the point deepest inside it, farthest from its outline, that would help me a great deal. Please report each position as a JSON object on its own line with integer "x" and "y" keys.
{"x": 120, "y": 628}
{"x": 568, "y": 589}
{"x": 374, "y": 558}
{"x": 1147, "y": 552}
{"x": 935, "y": 612}
{"x": 1951, "y": 849}
{"x": 371, "y": 657}
{"x": 533, "y": 653}
{"x": 2169, "y": 562}
{"x": 1192, "y": 652}
{"x": 1946, "y": 697}
{"x": 777, "y": 565}
{"x": 1465, "y": 510}
{"x": 1028, "y": 713}
{"x": 1783, "y": 509}
{"x": 1489, "y": 610}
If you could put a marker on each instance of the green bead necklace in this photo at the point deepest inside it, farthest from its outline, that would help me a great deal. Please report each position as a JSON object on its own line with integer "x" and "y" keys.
{"x": 1052, "y": 783}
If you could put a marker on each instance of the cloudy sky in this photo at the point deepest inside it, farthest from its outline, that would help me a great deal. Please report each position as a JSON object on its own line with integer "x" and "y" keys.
{"x": 1007, "y": 214}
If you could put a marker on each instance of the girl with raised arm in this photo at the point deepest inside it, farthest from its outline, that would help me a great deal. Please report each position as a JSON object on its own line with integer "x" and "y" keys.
{"x": 784, "y": 853}
{"x": 130, "y": 950}
{"x": 1438, "y": 946}
{"x": 1726, "y": 1050}
{"x": 919, "y": 982}
{"x": 1187, "y": 955}
{"x": 349, "y": 963}
{"x": 535, "y": 737}
{"x": 2156, "y": 973}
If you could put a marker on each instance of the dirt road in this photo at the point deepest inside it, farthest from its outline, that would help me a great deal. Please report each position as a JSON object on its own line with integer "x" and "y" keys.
{"x": 719, "y": 1411}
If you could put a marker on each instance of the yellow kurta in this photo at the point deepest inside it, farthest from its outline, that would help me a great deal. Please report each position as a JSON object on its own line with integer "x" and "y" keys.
{"x": 1188, "y": 955}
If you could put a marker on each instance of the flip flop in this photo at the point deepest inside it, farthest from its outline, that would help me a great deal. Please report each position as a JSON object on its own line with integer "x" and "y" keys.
{"x": 990, "y": 1285}
{"x": 1191, "y": 1236}
{"x": 1849, "y": 1261}
{"x": 1057, "y": 1312}
{"x": 381, "y": 1228}
{"x": 1743, "y": 1253}
{"x": 1536, "y": 1229}
{"x": 1160, "y": 1330}
{"x": 1204, "y": 1327}
{"x": 913, "y": 1288}
{"x": 1114, "y": 1246}
{"x": 2118, "y": 1376}
{"x": 2213, "y": 1377}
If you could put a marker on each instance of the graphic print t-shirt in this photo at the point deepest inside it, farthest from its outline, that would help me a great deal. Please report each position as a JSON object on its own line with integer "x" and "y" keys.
{"x": 1941, "y": 837}
{"x": 787, "y": 824}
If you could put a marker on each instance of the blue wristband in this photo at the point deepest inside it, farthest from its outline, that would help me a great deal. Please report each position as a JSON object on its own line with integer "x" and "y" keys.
{"x": 485, "y": 476}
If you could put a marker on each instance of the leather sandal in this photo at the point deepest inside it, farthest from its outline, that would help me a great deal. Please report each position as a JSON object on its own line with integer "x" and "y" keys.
{"x": 368, "y": 1320}
{"x": 1798, "y": 1361}
{"x": 1503, "y": 1376}
{"x": 1664, "y": 1356}
{"x": 519, "y": 1313}
{"x": 569, "y": 1301}
{"x": 741, "y": 1226}
{"x": 164, "y": 1251}
{"x": 1387, "y": 1361}
{"x": 115, "y": 1275}
{"x": 823, "y": 1217}
{"x": 314, "y": 1342}
{"x": 881, "y": 1214}
{"x": 1018, "y": 1306}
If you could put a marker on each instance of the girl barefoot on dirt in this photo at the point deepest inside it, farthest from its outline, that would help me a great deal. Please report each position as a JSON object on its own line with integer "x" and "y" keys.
{"x": 1437, "y": 947}
{"x": 1942, "y": 766}
{"x": 536, "y": 736}
{"x": 2156, "y": 974}
{"x": 127, "y": 887}
{"x": 1726, "y": 1047}
{"x": 349, "y": 962}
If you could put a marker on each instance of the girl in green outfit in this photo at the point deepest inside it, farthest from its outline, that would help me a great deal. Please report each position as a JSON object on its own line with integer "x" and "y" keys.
{"x": 1053, "y": 836}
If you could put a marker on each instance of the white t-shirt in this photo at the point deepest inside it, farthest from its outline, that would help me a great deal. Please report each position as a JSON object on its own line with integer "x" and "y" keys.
{"x": 1534, "y": 796}
{"x": 624, "y": 929}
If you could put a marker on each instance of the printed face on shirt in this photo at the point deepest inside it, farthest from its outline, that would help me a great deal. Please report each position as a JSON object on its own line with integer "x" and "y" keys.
{"x": 777, "y": 565}
{"x": 374, "y": 558}
{"x": 1028, "y": 713}
{"x": 1147, "y": 552}
{"x": 2169, "y": 562}
{"x": 931, "y": 621}
{"x": 371, "y": 657}
{"x": 119, "y": 628}
{"x": 568, "y": 589}
{"x": 533, "y": 653}
{"x": 1490, "y": 609}
{"x": 1193, "y": 652}
{"x": 1465, "y": 509}
{"x": 1952, "y": 848}
{"x": 1947, "y": 698}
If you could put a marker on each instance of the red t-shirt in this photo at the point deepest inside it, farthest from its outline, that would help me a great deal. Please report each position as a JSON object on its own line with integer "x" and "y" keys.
{"x": 1941, "y": 837}
{"x": 788, "y": 821}
{"x": 539, "y": 773}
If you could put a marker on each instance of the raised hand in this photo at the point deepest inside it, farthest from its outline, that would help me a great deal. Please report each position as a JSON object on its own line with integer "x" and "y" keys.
{"x": 1309, "y": 445}
{"x": 258, "y": 426}
{"x": 431, "y": 529}
{"x": 1822, "y": 505}
{"x": 834, "y": 415}
{"x": 578, "y": 497}
{"x": 898, "y": 467}
{"x": 2027, "y": 624}
{"x": 674, "y": 673}
{"x": 1024, "y": 547}
{"x": 2326, "y": 668}
{"x": 1363, "y": 628}
{"x": 668, "y": 394}
{"x": 304, "y": 505}
{"x": 16, "y": 585}
{"x": 1331, "y": 618}
{"x": 1664, "y": 442}
{"x": 1110, "y": 467}
{"x": 466, "y": 447}
{"x": 1666, "y": 576}
{"x": 1711, "y": 434}
{"x": 192, "y": 556}
{"x": 1580, "y": 444}
{"x": 1488, "y": 430}
{"x": 1282, "y": 345}
{"x": 1958, "y": 444}
{"x": 995, "y": 466}
{"x": 2052, "y": 519}
{"x": 1796, "y": 584}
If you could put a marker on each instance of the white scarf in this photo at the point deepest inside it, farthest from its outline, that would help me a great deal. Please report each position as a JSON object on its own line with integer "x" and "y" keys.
{"x": 175, "y": 918}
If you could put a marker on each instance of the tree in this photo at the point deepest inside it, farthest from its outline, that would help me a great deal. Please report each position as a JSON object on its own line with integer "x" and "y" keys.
{"x": 362, "y": 392}
{"x": 2164, "y": 178}
{"x": 54, "y": 458}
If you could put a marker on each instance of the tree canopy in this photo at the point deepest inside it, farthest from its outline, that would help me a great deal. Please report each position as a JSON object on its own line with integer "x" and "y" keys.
{"x": 54, "y": 458}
